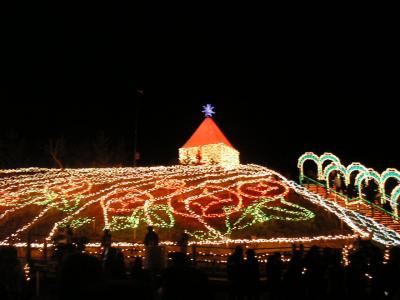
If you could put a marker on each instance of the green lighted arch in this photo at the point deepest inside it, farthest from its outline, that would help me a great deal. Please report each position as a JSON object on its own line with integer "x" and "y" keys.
{"x": 395, "y": 194}
{"x": 389, "y": 173}
{"x": 370, "y": 173}
{"x": 354, "y": 167}
{"x": 307, "y": 156}
{"x": 363, "y": 174}
{"x": 333, "y": 166}
{"x": 394, "y": 199}
{"x": 327, "y": 156}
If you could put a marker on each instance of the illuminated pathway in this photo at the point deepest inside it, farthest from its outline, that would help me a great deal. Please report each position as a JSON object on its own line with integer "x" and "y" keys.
{"x": 362, "y": 223}
{"x": 359, "y": 206}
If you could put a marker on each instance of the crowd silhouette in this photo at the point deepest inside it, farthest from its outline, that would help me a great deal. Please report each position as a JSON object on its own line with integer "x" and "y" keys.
{"x": 12, "y": 282}
{"x": 315, "y": 273}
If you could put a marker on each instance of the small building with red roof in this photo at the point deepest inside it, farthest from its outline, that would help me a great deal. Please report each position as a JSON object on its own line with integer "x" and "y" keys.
{"x": 208, "y": 145}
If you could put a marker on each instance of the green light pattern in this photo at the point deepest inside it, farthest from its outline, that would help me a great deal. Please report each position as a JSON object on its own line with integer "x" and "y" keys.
{"x": 257, "y": 213}
{"x": 76, "y": 223}
{"x": 64, "y": 205}
{"x": 149, "y": 215}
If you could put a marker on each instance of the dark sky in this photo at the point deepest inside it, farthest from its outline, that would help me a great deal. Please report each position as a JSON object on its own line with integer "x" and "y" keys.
{"x": 281, "y": 85}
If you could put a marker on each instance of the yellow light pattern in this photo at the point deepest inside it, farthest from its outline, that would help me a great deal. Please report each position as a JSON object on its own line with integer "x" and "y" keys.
{"x": 212, "y": 154}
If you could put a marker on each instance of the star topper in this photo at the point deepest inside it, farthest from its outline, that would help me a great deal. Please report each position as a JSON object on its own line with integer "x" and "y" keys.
{"x": 208, "y": 110}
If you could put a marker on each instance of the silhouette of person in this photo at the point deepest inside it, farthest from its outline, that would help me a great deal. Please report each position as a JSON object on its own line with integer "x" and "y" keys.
{"x": 338, "y": 183}
{"x": 69, "y": 235}
{"x": 376, "y": 271}
{"x": 62, "y": 247}
{"x": 390, "y": 274}
{"x": 151, "y": 238}
{"x": 141, "y": 280}
{"x": 106, "y": 241}
{"x": 356, "y": 280}
{"x": 370, "y": 193}
{"x": 12, "y": 280}
{"x": 80, "y": 277}
{"x": 180, "y": 281}
{"x": 293, "y": 277}
{"x": 313, "y": 274}
{"x": 252, "y": 275}
{"x": 154, "y": 260}
{"x": 137, "y": 271}
{"x": 235, "y": 268}
{"x": 183, "y": 242}
{"x": 114, "y": 266}
{"x": 351, "y": 193}
{"x": 334, "y": 274}
{"x": 274, "y": 272}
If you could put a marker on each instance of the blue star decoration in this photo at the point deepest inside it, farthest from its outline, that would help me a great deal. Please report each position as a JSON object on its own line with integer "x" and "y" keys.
{"x": 208, "y": 110}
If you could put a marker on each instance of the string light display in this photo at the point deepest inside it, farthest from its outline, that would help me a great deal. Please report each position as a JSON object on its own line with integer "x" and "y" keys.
{"x": 305, "y": 157}
{"x": 395, "y": 194}
{"x": 208, "y": 146}
{"x": 27, "y": 271}
{"x": 353, "y": 167}
{"x": 131, "y": 197}
{"x": 257, "y": 211}
{"x": 77, "y": 223}
{"x": 364, "y": 226}
{"x": 385, "y": 176}
{"x": 210, "y": 154}
{"x": 319, "y": 160}
{"x": 331, "y": 168}
{"x": 366, "y": 175}
{"x": 239, "y": 198}
{"x": 165, "y": 196}
{"x": 363, "y": 176}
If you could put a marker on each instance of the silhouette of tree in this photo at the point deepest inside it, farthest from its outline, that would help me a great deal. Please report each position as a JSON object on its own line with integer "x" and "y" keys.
{"x": 57, "y": 150}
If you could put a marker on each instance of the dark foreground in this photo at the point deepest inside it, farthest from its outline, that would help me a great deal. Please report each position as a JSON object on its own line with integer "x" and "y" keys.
{"x": 363, "y": 272}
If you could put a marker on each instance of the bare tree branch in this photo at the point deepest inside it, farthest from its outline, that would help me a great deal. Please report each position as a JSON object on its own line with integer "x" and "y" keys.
{"x": 56, "y": 149}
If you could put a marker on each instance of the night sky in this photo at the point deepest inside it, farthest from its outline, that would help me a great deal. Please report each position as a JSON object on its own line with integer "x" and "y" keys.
{"x": 280, "y": 86}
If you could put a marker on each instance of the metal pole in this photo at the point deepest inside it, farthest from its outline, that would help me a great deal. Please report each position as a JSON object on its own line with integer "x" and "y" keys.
{"x": 135, "y": 137}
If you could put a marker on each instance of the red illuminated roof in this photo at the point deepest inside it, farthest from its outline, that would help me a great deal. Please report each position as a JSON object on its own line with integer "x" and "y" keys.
{"x": 207, "y": 133}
